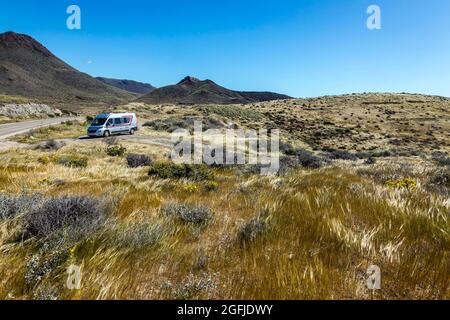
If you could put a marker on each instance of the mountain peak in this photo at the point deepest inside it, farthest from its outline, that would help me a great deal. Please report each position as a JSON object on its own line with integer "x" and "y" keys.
{"x": 191, "y": 90}
{"x": 13, "y": 40}
{"x": 189, "y": 80}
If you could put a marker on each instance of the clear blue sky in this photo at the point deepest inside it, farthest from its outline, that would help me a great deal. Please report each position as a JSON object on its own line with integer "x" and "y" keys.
{"x": 298, "y": 47}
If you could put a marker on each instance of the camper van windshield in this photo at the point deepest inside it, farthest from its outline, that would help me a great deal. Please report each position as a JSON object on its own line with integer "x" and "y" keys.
{"x": 99, "y": 121}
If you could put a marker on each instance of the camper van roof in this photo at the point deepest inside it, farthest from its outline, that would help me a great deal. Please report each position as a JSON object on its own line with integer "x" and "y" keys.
{"x": 107, "y": 115}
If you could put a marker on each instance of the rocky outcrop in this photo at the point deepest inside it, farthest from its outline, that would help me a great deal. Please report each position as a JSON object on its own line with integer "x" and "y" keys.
{"x": 28, "y": 110}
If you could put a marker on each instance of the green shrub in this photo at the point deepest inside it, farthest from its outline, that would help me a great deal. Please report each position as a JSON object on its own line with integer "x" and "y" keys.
{"x": 115, "y": 151}
{"x": 166, "y": 170}
{"x": 211, "y": 185}
{"x": 191, "y": 188}
{"x": 138, "y": 160}
{"x": 287, "y": 148}
{"x": 199, "y": 173}
{"x": 73, "y": 161}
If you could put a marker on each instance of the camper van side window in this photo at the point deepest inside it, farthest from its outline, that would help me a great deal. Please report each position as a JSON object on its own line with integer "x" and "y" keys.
{"x": 110, "y": 122}
{"x": 127, "y": 120}
{"x": 117, "y": 121}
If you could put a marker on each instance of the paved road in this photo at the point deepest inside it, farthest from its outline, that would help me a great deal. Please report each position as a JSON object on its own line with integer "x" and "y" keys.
{"x": 11, "y": 129}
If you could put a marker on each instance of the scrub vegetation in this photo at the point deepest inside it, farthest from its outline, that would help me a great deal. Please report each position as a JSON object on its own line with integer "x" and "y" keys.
{"x": 310, "y": 233}
{"x": 142, "y": 227}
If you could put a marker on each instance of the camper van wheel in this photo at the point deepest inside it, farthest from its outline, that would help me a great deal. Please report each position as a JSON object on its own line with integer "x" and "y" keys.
{"x": 106, "y": 134}
{"x": 131, "y": 131}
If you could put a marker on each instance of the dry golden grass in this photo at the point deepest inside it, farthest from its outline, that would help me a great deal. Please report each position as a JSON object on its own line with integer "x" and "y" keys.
{"x": 324, "y": 228}
{"x": 309, "y": 234}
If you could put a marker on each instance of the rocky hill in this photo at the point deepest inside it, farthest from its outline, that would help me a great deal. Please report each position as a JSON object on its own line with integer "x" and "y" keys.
{"x": 191, "y": 90}
{"x": 29, "y": 69}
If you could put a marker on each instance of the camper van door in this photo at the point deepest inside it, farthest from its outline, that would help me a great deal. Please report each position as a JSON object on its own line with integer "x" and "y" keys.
{"x": 118, "y": 125}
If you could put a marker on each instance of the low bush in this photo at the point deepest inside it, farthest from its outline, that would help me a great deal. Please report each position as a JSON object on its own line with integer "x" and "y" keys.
{"x": 44, "y": 160}
{"x": 287, "y": 148}
{"x": 50, "y": 145}
{"x": 211, "y": 185}
{"x": 38, "y": 267}
{"x": 288, "y": 163}
{"x": 370, "y": 161}
{"x": 191, "y": 188}
{"x": 441, "y": 178}
{"x": 188, "y": 213}
{"x": 439, "y": 182}
{"x": 341, "y": 155}
{"x": 167, "y": 170}
{"x": 14, "y": 205}
{"x": 139, "y": 236}
{"x": 73, "y": 161}
{"x": 441, "y": 159}
{"x": 115, "y": 150}
{"x": 75, "y": 215}
{"x": 308, "y": 160}
{"x": 373, "y": 154}
{"x": 249, "y": 231}
{"x": 382, "y": 154}
{"x": 405, "y": 183}
{"x": 138, "y": 160}
{"x": 199, "y": 173}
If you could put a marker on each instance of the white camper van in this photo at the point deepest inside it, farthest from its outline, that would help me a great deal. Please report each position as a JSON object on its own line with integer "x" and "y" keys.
{"x": 105, "y": 125}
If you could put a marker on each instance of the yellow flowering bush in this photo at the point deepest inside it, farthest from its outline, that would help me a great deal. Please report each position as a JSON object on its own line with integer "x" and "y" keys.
{"x": 211, "y": 185}
{"x": 191, "y": 188}
{"x": 406, "y": 183}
